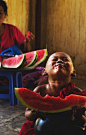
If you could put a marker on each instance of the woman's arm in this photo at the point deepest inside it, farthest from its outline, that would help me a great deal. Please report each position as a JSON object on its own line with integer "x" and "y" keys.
{"x": 26, "y": 47}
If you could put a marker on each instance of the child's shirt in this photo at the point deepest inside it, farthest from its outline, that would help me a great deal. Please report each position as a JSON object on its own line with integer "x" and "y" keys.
{"x": 12, "y": 36}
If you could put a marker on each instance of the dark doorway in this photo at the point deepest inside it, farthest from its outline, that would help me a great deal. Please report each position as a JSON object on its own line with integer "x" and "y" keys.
{"x": 38, "y": 25}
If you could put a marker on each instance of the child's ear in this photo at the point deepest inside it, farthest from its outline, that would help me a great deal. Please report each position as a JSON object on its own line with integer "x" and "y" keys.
{"x": 44, "y": 73}
{"x": 73, "y": 74}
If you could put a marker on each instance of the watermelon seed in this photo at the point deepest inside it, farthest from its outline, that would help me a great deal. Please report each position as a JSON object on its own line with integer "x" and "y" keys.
{"x": 26, "y": 97}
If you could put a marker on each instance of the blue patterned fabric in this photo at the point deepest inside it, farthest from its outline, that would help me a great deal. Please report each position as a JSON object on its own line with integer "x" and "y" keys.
{"x": 11, "y": 51}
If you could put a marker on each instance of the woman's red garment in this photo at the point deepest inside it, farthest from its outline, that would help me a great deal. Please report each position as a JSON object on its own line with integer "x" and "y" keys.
{"x": 28, "y": 126}
{"x": 12, "y": 36}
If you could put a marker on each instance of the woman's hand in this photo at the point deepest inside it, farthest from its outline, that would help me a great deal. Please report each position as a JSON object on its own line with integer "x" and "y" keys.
{"x": 26, "y": 47}
{"x": 29, "y": 36}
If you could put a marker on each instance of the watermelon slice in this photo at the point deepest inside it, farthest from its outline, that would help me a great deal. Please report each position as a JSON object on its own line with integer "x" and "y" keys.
{"x": 28, "y": 34}
{"x": 42, "y": 55}
{"x": 31, "y": 58}
{"x": 14, "y": 62}
{"x": 48, "y": 103}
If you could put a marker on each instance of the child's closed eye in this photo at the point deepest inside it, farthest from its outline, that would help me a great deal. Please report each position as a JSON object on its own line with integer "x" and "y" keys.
{"x": 65, "y": 59}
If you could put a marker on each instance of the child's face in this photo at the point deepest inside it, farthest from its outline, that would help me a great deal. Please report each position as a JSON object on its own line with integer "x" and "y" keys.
{"x": 59, "y": 64}
{"x": 2, "y": 15}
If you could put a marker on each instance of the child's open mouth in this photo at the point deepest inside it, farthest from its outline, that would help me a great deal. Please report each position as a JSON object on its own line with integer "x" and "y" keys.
{"x": 59, "y": 65}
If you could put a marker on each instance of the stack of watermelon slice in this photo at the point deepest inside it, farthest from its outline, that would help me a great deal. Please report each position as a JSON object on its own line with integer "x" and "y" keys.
{"x": 30, "y": 59}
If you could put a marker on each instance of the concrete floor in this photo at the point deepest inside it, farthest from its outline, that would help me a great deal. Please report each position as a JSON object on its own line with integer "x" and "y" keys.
{"x": 12, "y": 117}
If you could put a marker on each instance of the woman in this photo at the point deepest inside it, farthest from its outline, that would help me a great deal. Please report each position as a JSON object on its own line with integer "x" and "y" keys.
{"x": 10, "y": 35}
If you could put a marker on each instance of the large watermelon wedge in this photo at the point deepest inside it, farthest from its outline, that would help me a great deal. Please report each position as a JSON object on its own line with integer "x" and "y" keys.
{"x": 14, "y": 62}
{"x": 48, "y": 103}
{"x": 31, "y": 58}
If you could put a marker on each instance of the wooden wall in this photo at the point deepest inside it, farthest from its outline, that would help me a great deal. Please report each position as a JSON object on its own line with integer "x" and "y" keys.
{"x": 63, "y": 28}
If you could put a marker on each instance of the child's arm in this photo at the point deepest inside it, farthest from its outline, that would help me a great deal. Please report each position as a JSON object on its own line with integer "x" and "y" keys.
{"x": 32, "y": 114}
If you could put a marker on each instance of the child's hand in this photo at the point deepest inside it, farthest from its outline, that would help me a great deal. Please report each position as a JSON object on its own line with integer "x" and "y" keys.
{"x": 79, "y": 115}
{"x": 31, "y": 114}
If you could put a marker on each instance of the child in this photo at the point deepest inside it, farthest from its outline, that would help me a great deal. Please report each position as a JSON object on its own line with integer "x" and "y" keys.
{"x": 59, "y": 69}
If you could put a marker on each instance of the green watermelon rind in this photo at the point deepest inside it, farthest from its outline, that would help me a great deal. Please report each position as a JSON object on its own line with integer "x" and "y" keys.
{"x": 26, "y": 105}
{"x": 23, "y": 63}
{"x": 18, "y": 65}
{"x": 43, "y": 59}
{"x": 33, "y": 61}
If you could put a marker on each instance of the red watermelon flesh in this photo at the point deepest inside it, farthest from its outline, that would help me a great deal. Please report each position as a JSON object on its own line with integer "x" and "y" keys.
{"x": 13, "y": 62}
{"x": 28, "y": 34}
{"x": 31, "y": 58}
{"x": 48, "y": 103}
